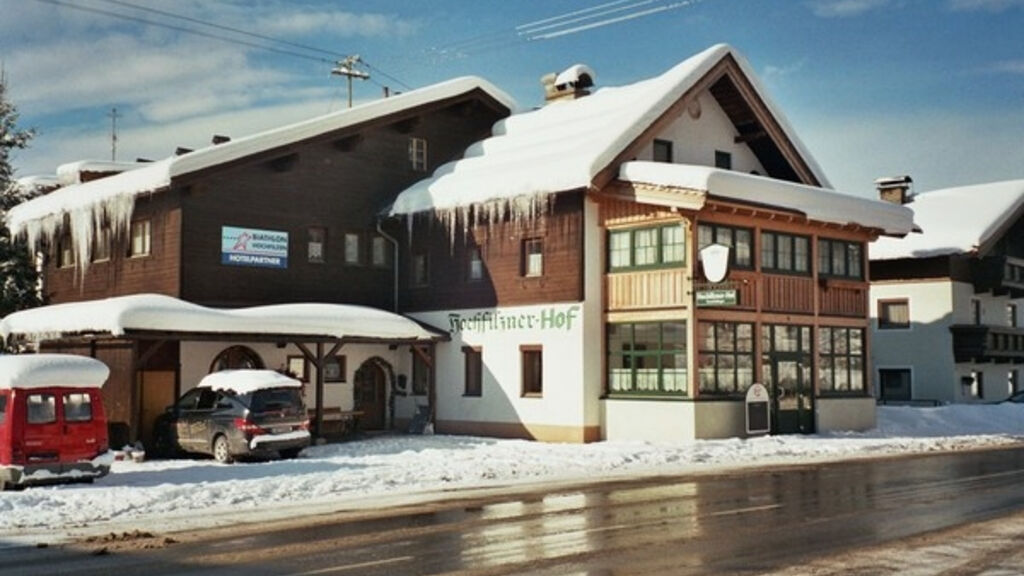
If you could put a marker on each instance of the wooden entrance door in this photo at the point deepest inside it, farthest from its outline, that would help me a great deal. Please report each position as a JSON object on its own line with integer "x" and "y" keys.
{"x": 371, "y": 396}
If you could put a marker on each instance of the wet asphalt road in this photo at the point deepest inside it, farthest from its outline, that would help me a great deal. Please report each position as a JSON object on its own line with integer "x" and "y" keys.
{"x": 742, "y": 523}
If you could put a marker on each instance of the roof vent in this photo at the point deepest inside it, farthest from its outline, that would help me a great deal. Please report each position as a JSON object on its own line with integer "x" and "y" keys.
{"x": 571, "y": 84}
{"x": 895, "y": 189}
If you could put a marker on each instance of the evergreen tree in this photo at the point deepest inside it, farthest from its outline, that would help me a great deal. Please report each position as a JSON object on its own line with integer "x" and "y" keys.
{"x": 18, "y": 277}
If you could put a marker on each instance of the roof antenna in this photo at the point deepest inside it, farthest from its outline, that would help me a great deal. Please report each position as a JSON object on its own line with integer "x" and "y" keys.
{"x": 113, "y": 133}
{"x": 347, "y": 68}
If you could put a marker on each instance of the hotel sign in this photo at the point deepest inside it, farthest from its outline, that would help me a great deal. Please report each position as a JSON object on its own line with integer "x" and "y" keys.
{"x": 719, "y": 297}
{"x": 252, "y": 247}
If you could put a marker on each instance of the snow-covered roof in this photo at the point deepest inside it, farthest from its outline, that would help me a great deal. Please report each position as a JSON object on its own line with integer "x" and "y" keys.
{"x": 113, "y": 197}
{"x": 815, "y": 203}
{"x": 955, "y": 220}
{"x": 45, "y": 370}
{"x": 119, "y": 315}
{"x": 71, "y": 173}
{"x": 565, "y": 144}
{"x": 247, "y": 381}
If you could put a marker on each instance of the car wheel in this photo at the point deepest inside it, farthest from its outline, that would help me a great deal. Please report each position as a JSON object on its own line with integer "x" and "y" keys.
{"x": 220, "y": 450}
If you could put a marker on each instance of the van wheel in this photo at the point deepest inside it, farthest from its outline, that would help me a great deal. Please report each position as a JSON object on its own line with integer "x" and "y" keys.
{"x": 220, "y": 450}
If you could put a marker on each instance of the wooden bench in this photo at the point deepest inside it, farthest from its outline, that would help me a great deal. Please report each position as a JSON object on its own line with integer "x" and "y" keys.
{"x": 337, "y": 422}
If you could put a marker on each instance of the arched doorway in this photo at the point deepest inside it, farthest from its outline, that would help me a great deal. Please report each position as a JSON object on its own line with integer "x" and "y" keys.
{"x": 235, "y": 358}
{"x": 370, "y": 392}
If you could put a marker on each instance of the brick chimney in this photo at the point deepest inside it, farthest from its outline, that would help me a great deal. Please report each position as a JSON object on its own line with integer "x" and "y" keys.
{"x": 571, "y": 84}
{"x": 895, "y": 189}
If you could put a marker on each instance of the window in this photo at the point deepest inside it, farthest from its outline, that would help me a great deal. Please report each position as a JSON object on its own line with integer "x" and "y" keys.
{"x": 893, "y": 314}
{"x": 420, "y": 269}
{"x": 141, "y": 238}
{"x": 77, "y": 407}
{"x": 976, "y": 311}
{"x": 65, "y": 250}
{"x": 533, "y": 370}
{"x": 840, "y": 258}
{"x": 647, "y": 358}
{"x": 1011, "y": 315}
{"x": 101, "y": 244}
{"x": 236, "y": 357}
{"x": 42, "y": 408}
{"x": 1012, "y": 386}
{"x": 474, "y": 264}
{"x": 647, "y": 247}
{"x": 738, "y": 239}
{"x": 316, "y": 244}
{"x": 420, "y": 374}
{"x": 894, "y": 384}
{"x": 474, "y": 370}
{"x": 785, "y": 253}
{"x": 379, "y": 249}
{"x": 533, "y": 257}
{"x": 352, "y": 252}
{"x": 725, "y": 357}
{"x": 723, "y": 160}
{"x": 418, "y": 154}
{"x": 841, "y": 360}
{"x": 334, "y": 368}
{"x": 662, "y": 151}
{"x": 977, "y": 384}
{"x": 3, "y": 408}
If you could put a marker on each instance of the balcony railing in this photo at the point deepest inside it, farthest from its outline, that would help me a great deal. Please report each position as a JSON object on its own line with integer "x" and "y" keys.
{"x": 1001, "y": 275}
{"x": 978, "y": 343}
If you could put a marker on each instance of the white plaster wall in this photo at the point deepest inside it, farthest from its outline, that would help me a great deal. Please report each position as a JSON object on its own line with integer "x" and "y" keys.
{"x": 501, "y": 399}
{"x": 593, "y": 338}
{"x": 196, "y": 358}
{"x": 694, "y": 141}
{"x": 648, "y": 420}
{"x": 724, "y": 419}
{"x": 845, "y": 414}
{"x": 927, "y": 346}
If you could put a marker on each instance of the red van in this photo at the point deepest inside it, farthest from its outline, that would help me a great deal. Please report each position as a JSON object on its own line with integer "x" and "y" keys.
{"x": 52, "y": 424}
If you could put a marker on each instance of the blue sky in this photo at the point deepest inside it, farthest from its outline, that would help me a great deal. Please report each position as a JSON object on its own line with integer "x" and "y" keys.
{"x": 930, "y": 88}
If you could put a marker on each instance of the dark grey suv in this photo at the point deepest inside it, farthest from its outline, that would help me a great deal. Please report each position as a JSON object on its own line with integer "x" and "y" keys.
{"x": 236, "y": 413}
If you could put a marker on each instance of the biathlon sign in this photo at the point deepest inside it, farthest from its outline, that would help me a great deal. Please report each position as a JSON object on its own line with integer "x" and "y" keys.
{"x": 252, "y": 247}
{"x": 758, "y": 410}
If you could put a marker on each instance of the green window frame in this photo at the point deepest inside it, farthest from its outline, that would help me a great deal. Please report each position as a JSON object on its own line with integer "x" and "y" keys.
{"x": 649, "y": 247}
{"x": 785, "y": 253}
{"x": 725, "y": 357}
{"x": 841, "y": 361}
{"x": 647, "y": 358}
{"x": 840, "y": 258}
{"x": 739, "y": 240}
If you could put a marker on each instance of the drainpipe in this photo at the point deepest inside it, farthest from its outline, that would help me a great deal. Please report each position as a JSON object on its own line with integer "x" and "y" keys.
{"x": 394, "y": 261}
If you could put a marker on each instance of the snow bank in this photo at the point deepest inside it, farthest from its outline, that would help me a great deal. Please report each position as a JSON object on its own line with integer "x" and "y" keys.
{"x": 43, "y": 370}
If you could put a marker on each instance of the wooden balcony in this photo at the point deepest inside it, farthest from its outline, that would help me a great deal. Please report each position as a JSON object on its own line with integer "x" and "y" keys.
{"x": 838, "y": 297}
{"x": 978, "y": 343}
{"x": 1002, "y": 275}
{"x": 648, "y": 289}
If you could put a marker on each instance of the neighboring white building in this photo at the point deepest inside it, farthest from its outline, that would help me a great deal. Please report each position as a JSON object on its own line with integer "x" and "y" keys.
{"x": 946, "y": 303}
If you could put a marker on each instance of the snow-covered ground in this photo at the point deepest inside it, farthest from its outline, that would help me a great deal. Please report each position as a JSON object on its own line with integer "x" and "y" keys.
{"x": 179, "y": 494}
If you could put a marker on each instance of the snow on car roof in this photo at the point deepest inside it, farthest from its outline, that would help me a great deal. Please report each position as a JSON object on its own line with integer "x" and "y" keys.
{"x": 45, "y": 370}
{"x": 247, "y": 381}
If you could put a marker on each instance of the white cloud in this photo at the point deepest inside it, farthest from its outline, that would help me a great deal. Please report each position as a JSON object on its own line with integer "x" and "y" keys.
{"x": 772, "y": 73}
{"x": 1008, "y": 67}
{"x": 986, "y": 5}
{"x": 844, "y": 8}
{"x": 344, "y": 24}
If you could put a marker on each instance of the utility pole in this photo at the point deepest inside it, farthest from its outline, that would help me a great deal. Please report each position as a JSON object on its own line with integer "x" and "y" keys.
{"x": 113, "y": 133}
{"x": 347, "y": 68}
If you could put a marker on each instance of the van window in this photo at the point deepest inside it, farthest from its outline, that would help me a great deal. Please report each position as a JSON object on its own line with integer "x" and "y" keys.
{"x": 3, "y": 408}
{"x": 77, "y": 407}
{"x": 42, "y": 408}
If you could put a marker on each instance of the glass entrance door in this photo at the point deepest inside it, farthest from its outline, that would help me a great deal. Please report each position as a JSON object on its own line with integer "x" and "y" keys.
{"x": 792, "y": 401}
{"x": 786, "y": 372}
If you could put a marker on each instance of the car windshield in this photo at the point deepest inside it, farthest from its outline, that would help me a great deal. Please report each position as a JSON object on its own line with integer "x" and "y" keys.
{"x": 272, "y": 399}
